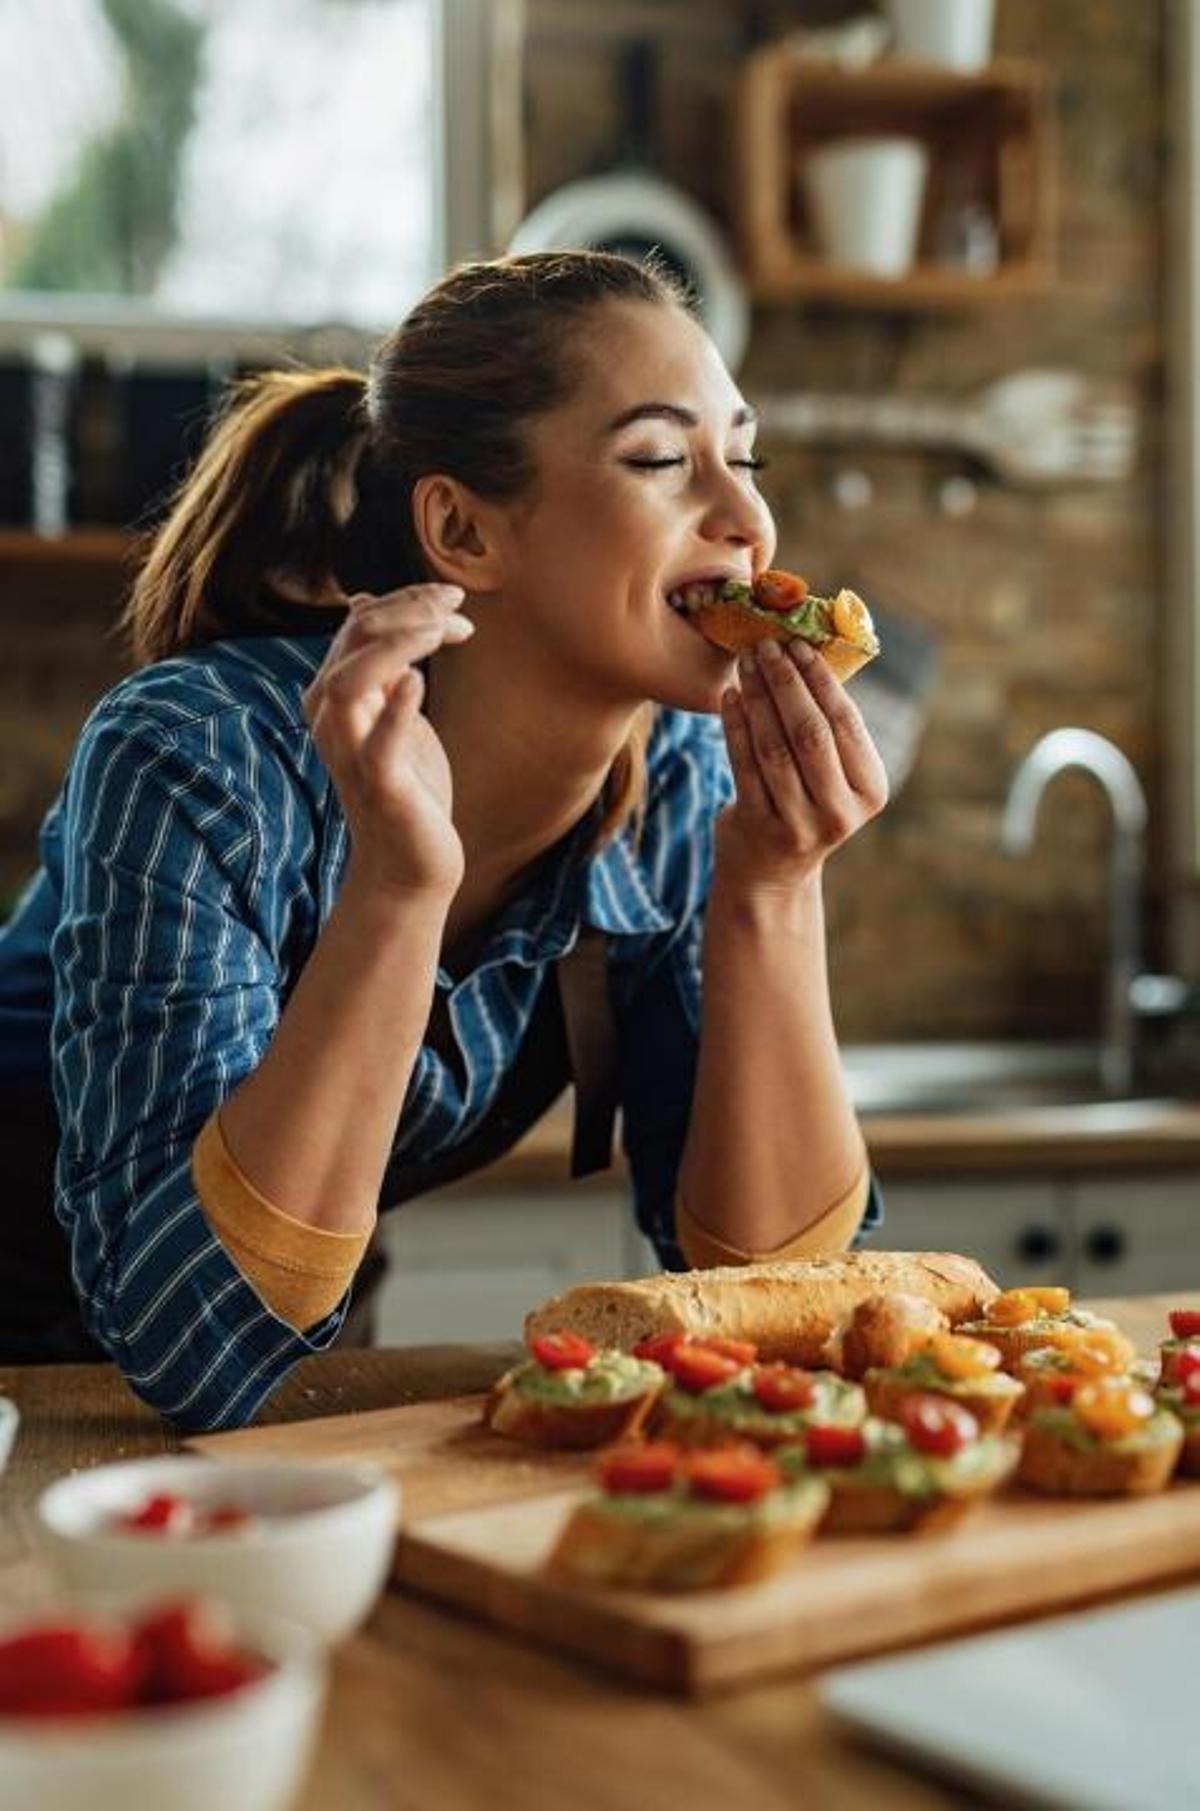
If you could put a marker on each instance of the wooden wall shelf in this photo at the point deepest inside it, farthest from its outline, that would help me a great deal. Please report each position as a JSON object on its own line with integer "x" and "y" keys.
{"x": 990, "y": 139}
{"x": 78, "y": 546}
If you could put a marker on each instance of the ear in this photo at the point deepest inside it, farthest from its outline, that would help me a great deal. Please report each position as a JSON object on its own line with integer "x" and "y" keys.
{"x": 459, "y": 533}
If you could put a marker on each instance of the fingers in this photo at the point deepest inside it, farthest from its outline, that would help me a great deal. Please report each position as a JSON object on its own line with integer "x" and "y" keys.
{"x": 773, "y": 753}
{"x": 381, "y": 640}
{"x": 748, "y": 780}
{"x": 861, "y": 763}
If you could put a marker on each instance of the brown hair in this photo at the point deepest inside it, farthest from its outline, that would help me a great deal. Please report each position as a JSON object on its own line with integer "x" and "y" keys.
{"x": 307, "y": 476}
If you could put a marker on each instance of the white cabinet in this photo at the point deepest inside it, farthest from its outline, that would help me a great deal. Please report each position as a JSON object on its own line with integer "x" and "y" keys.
{"x": 1018, "y": 1230}
{"x": 1116, "y": 1235}
{"x": 1135, "y": 1235}
{"x": 470, "y": 1266}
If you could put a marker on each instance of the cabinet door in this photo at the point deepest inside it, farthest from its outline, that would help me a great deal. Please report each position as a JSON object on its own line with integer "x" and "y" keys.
{"x": 1136, "y": 1235}
{"x": 467, "y": 1267}
{"x": 1017, "y": 1230}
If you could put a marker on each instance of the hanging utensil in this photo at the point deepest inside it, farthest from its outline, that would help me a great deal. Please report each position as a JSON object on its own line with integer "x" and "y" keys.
{"x": 1033, "y": 428}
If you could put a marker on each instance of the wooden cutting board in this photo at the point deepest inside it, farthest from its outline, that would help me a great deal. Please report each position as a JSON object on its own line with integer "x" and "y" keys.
{"x": 481, "y": 1513}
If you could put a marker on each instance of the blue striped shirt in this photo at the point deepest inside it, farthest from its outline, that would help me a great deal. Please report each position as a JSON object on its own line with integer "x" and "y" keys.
{"x": 189, "y": 864}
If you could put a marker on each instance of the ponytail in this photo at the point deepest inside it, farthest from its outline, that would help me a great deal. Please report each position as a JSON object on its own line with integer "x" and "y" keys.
{"x": 270, "y": 496}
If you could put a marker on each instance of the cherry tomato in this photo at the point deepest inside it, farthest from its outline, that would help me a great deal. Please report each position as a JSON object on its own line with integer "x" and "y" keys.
{"x": 784, "y": 1389}
{"x": 776, "y": 590}
{"x": 641, "y": 1467}
{"x": 936, "y": 1425}
{"x": 189, "y": 1652}
{"x": 562, "y": 1351}
{"x": 162, "y": 1513}
{"x": 697, "y": 1368}
{"x": 732, "y": 1474}
{"x": 69, "y": 1669}
{"x": 1176, "y": 1366}
{"x": 658, "y": 1347}
{"x": 830, "y": 1445}
{"x": 743, "y": 1350}
{"x": 1185, "y": 1322}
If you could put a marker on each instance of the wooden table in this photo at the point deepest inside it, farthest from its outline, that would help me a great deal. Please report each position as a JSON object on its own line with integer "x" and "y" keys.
{"x": 428, "y": 1709}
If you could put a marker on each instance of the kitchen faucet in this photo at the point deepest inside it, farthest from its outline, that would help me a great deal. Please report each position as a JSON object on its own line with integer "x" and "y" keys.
{"x": 1083, "y": 748}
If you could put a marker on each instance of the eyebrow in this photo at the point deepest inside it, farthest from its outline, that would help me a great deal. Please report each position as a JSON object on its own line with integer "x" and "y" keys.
{"x": 671, "y": 411}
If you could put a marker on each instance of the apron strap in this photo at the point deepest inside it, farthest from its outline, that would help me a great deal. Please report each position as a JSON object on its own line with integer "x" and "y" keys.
{"x": 592, "y": 1044}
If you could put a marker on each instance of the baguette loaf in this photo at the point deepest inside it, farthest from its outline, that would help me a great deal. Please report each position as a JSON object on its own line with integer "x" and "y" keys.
{"x": 791, "y": 1311}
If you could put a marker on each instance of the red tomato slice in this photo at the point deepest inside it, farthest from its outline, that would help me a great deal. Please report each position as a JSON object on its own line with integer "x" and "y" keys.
{"x": 1190, "y": 1386}
{"x": 1185, "y": 1322}
{"x": 641, "y": 1467}
{"x": 68, "y": 1669}
{"x": 562, "y": 1351}
{"x": 698, "y": 1368}
{"x": 1060, "y": 1387}
{"x": 783, "y": 1388}
{"x": 936, "y": 1425}
{"x": 829, "y": 1445}
{"x": 776, "y": 590}
{"x": 743, "y": 1350}
{"x": 732, "y": 1474}
{"x": 190, "y": 1653}
{"x": 162, "y": 1513}
{"x": 658, "y": 1347}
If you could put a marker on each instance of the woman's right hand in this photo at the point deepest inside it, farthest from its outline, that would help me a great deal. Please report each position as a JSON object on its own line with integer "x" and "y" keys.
{"x": 389, "y": 768}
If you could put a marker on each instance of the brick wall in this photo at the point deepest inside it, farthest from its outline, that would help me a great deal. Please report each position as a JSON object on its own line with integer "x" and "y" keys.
{"x": 1048, "y": 608}
{"x": 1037, "y": 599}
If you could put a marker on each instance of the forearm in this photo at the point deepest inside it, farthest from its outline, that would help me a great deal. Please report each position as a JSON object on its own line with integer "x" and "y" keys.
{"x": 312, "y": 1127}
{"x": 773, "y": 1140}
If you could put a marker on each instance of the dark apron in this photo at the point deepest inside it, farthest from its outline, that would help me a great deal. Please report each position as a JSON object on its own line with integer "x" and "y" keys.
{"x": 572, "y": 1036}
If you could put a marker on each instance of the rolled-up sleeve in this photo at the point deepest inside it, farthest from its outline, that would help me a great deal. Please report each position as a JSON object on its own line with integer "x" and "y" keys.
{"x": 168, "y": 991}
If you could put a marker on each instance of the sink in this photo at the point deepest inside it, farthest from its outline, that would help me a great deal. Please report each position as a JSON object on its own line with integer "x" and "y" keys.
{"x": 977, "y": 1077}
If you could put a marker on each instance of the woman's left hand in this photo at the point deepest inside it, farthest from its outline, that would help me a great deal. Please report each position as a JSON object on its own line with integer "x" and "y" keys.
{"x": 807, "y": 772}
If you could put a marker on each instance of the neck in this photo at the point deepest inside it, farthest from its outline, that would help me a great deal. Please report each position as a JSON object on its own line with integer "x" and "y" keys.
{"x": 528, "y": 753}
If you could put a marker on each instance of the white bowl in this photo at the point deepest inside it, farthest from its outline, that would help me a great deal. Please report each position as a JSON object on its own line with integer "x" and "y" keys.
{"x": 318, "y": 1553}
{"x": 9, "y": 1419}
{"x": 245, "y": 1752}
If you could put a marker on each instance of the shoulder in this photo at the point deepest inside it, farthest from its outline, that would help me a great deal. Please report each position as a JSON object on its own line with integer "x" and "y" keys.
{"x": 258, "y": 682}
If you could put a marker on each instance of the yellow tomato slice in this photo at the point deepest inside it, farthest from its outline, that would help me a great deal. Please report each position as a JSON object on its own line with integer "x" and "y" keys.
{"x": 852, "y": 619}
{"x": 955, "y": 1355}
{"x": 1111, "y": 1406}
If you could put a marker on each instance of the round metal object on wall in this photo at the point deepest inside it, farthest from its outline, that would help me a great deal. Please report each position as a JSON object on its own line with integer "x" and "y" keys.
{"x": 634, "y": 213}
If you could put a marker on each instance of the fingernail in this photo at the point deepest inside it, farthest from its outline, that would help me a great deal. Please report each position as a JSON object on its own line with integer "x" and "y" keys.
{"x": 802, "y": 652}
{"x": 746, "y": 663}
{"x": 770, "y": 652}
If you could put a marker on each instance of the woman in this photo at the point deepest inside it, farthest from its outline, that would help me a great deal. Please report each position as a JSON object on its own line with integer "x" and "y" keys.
{"x": 417, "y": 726}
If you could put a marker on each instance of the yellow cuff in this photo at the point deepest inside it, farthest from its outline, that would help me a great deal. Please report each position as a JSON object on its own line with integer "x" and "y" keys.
{"x": 300, "y": 1271}
{"x": 832, "y": 1232}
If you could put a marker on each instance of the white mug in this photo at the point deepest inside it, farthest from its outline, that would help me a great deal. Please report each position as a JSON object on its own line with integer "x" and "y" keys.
{"x": 957, "y": 33}
{"x": 864, "y": 200}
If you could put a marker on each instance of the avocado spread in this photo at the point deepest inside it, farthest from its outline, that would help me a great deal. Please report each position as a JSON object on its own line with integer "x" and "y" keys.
{"x": 609, "y": 1377}
{"x": 800, "y": 1497}
{"x": 736, "y": 1404}
{"x": 922, "y": 1370}
{"x": 1067, "y": 1427}
{"x": 892, "y": 1463}
{"x": 811, "y": 620}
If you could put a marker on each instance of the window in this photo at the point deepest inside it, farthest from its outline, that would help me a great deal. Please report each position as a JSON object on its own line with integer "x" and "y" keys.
{"x": 235, "y": 167}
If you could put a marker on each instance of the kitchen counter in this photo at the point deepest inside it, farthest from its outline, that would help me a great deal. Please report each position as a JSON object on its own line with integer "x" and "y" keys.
{"x": 1095, "y": 1136}
{"x": 430, "y": 1708}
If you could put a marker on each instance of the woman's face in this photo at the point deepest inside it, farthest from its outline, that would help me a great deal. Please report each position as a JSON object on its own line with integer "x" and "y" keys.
{"x": 644, "y": 481}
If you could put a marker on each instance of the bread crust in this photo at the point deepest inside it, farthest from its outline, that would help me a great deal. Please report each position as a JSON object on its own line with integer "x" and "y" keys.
{"x": 577, "y": 1425}
{"x": 729, "y": 625}
{"x": 601, "y": 1546}
{"x": 887, "y": 1394}
{"x": 883, "y": 1330}
{"x": 1189, "y": 1455}
{"x": 795, "y": 1311}
{"x": 892, "y": 1512}
{"x": 1054, "y": 1467}
{"x": 1013, "y": 1343}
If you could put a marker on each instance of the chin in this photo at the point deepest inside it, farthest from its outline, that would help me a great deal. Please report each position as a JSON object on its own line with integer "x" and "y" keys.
{"x": 683, "y": 692}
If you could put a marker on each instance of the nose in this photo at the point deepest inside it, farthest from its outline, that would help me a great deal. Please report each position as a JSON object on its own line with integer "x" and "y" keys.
{"x": 736, "y": 515}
